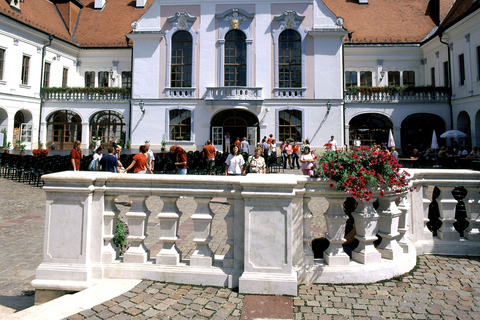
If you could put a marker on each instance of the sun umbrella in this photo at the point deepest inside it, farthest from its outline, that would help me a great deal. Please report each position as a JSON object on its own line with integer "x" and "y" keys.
{"x": 391, "y": 142}
{"x": 453, "y": 134}
{"x": 434, "y": 141}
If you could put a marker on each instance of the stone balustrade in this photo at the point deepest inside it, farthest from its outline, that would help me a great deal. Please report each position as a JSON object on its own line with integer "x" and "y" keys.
{"x": 290, "y": 93}
{"x": 267, "y": 224}
{"x": 85, "y": 96}
{"x": 389, "y": 97}
{"x": 234, "y": 93}
{"x": 180, "y": 93}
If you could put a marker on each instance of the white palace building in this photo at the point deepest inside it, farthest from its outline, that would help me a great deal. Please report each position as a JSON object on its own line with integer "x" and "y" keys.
{"x": 185, "y": 71}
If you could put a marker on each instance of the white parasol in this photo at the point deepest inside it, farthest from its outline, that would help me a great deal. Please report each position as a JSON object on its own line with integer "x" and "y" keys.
{"x": 434, "y": 141}
{"x": 453, "y": 134}
{"x": 391, "y": 141}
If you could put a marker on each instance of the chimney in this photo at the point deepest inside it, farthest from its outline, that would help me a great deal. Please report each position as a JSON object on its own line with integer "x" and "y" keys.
{"x": 99, "y": 4}
{"x": 141, "y": 3}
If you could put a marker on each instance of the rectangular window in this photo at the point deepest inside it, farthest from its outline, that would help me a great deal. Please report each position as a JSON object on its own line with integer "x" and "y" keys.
{"x": 461, "y": 69}
{"x": 393, "y": 78}
{"x": 2, "y": 60}
{"x": 46, "y": 74}
{"x": 432, "y": 77}
{"x": 89, "y": 79}
{"x": 180, "y": 124}
{"x": 103, "y": 79}
{"x": 409, "y": 78}
{"x": 365, "y": 78}
{"x": 445, "y": 74}
{"x": 350, "y": 78}
{"x": 64, "y": 77}
{"x": 25, "y": 66}
{"x": 127, "y": 79}
{"x": 290, "y": 125}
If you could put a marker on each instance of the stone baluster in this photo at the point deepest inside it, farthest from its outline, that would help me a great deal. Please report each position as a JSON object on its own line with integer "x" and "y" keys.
{"x": 229, "y": 220}
{"x": 472, "y": 206}
{"x": 137, "y": 219}
{"x": 202, "y": 225}
{"x": 110, "y": 214}
{"x": 336, "y": 219}
{"x": 366, "y": 225}
{"x": 388, "y": 228}
{"x": 426, "y": 203}
{"x": 446, "y": 205}
{"x": 402, "y": 238}
{"x": 169, "y": 220}
{"x": 308, "y": 256}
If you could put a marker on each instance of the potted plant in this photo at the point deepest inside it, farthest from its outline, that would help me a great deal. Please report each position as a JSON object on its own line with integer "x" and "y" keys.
{"x": 8, "y": 146}
{"x": 17, "y": 144}
{"x": 22, "y": 149}
{"x": 53, "y": 146}
{"x": 164, "y": 145}
{"x": 179, "y": 138}
{"x": 92, "y": 145}
{"x": 128, "y": 144}
{"x": 4, "y": 144}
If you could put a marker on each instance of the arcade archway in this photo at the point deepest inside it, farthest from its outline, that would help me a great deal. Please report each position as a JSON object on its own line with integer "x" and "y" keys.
{"x": 238, "y": 123}
{"x": 417, "y": 129}
{"x": 464, "y": 125}
{"x": 64, "y": 127}
{"x": 109, "y": 125}
{"x": 372, "y": 128}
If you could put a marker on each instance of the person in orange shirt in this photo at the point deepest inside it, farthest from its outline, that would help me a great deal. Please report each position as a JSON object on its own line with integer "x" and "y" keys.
{"x": 295, "y": 149}
{"x": 139, "y": 162}
{"x": 238, "y": 143}
{"x": 270, "y": 139}
{"x": 209, "y": 152}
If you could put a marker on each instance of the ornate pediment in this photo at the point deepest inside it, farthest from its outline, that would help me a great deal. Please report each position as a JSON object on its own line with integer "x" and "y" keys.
{"x": 289, "y": 20}
{"x": 182, "y": 20}
{"x": 235, "y": 17}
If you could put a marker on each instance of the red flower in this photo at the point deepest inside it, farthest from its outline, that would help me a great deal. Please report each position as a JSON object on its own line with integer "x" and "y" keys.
{"x": 332, "y": 185}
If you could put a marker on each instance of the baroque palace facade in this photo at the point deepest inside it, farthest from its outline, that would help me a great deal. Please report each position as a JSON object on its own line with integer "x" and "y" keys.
{"x": 186, "y": 71}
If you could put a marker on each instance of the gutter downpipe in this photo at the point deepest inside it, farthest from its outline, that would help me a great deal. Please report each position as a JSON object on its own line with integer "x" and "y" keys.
{"x": 449, "y": 80}
{"x": 50, "y": 39}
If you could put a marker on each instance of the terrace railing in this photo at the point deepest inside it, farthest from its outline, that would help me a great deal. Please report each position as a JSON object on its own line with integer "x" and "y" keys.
{"x": 267, "y": 226}
{"x": 417, "y": 96}
{"x": 234, "y": 93}
{"x": 104, "y": 95}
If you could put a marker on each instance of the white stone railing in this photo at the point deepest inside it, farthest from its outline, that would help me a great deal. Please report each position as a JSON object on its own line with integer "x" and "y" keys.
{"x": 388, "y": 97}
{"x": 267, "y": 225}
{"x": 180, "y": 93}
{"x": 234, "y": 93}
{"x": 290, "y": 93}
{"x": 85, "y": 96}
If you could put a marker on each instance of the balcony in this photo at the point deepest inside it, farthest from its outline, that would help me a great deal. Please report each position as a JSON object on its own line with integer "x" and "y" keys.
{"x": 267, "y": 221}
{"x": 289, "y": 93}
{"x": 234, "y": 93}
{"x": 80, "y": 94}
{"x": 180, "y": 93}
{"x": 397, "y": 95}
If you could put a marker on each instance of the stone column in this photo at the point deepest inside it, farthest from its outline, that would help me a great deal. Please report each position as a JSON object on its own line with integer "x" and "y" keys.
{"x": 202, "y": 224}
{"x": 336, "y": 220}
{"x": 472, "y": 206}
{"x": 229, "y": 220}
{"x": 169, "y": 219}
{"x": 366, "y": 224}
{"x": 308, "y": 256}
{"x": 402, "y": 238}
{"x": 110, "y": 251}
{"x": 388, "y": 228}
{"x": 137, "y": 219}
{"x": 446, "y": 205}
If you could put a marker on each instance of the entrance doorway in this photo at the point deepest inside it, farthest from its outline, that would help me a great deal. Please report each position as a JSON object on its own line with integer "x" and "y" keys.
{"x": 64, "y": 127}
{"x": 371, "y": 128}
{"x": 238, "y": 123}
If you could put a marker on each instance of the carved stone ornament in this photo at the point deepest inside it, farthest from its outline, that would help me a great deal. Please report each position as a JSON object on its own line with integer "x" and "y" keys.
{"x": 182, "y": 20}
{"x": 235, "y": 18}
{"x": 290, "y": 19}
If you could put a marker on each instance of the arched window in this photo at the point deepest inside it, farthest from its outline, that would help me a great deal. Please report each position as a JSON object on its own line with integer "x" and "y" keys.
{"x": 235, "y": 59}
{"x": 290, "y": 125}
{"x": 180, "y": 124}
{"x": 181, "y": 67}
{"x": 63, "y": 128}
{"x": 108, "y": 124}
{"x": 289, "y": 59}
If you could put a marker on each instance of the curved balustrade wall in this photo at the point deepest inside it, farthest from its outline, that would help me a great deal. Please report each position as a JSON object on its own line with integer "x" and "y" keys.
{"x": 268, "y": 227}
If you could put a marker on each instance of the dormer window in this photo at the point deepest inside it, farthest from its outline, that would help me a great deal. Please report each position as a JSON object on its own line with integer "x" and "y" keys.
{"x": 15, "y": 4}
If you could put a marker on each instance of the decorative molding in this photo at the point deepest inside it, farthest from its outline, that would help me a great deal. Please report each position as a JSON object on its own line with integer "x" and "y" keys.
{"x": 182, "y": 21}
{"x": 15, "y": 42}
{"x": 115, "y": 63}
{"x": 39, "y": 49}
{"x": 467, "y": 37}
{"x": 437, "y": 54}
{"x": 290, "y": 20}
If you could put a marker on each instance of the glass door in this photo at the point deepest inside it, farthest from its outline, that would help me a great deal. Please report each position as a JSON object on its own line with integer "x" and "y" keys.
{"x": 252, "y": 138}
{"x": 217, "y": 138}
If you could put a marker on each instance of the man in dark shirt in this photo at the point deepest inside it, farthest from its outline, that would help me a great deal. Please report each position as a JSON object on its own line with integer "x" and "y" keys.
{"x": 109, "y": 162}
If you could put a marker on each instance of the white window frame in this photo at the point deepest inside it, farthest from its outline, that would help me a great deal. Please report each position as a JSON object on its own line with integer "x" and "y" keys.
{"x": 289, "y": 20}
{"x": 226, "y": 20}
{"x": 192, "y": 122}
{"x": 181, "y": 21}
{"x": 277, "y": 120}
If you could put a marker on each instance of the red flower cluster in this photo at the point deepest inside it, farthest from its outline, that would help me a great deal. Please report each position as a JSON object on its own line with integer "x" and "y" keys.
{"x": 40, "y": 152}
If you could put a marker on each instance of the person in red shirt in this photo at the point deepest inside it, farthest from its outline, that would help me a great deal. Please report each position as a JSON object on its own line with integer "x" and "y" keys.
{"x": 209, "y": 152}
{"x": 287, "y": 155}
{"x": 270, "y": 139}
{"x": 75, "y": 156}
{"x": 238, "y": 143}
{"x": 295, "y": 156}
{"x": 181, "y": 162}
{"x": 139, "y": 162}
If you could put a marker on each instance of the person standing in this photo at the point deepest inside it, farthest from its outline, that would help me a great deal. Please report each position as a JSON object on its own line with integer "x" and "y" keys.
{"x": 75, "y": 156}
{"x": 273, "y": 149}
{"x": 394, "y": 153}
{"x": 307, "y": 162}
{"x": 109, "y": 162}
{"x": 227, "y": 142}
{"x": 295, "y": 156}
{"x": 333, "y": 143}
{"x": 357, "y": 143}
{"x": 150, "y": 157}
{"x": 234, "y": 162}
{"x": 255, "y": 163}
{"x": 238, "y": 143}
{"x": 139, "y": 162}
{"x": 96, "y": 159}
{"x": 287, "y": 155}
{"x": 244, "y": 146}
{"x": 266, "y": 148}
{"x": 118, "y": 149}
{"x": 181, "y": 159}
{"x": 209, "y": 152}
{"x": 270, "y": 139}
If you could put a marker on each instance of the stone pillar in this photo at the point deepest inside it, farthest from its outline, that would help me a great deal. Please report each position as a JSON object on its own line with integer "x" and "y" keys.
{"x": 137, "y": 219}
{"x": 336, "y": 220}
{"x": 472, "y": 206}
{"x": 169, "y": 219}
{"x": 366, "y": 224}
{"x": 388, "y": 228}
{"x": 202, "y": 224}
{"x": 110, "y": 251}
{"x": 308, "y": 256}
{"x": 402, "y": 238}
{"x": 446, "y": 205}
{"x": 229, "y": 220}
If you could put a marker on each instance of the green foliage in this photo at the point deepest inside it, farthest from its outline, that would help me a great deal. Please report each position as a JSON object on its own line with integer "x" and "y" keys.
{"x": 129, "y": 143}
{"x": 164, "y": 143}
{"x": 121, "y": 234}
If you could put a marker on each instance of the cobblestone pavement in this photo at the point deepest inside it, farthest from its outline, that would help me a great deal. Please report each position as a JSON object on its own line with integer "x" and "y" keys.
{"x": 440, "y": 288}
